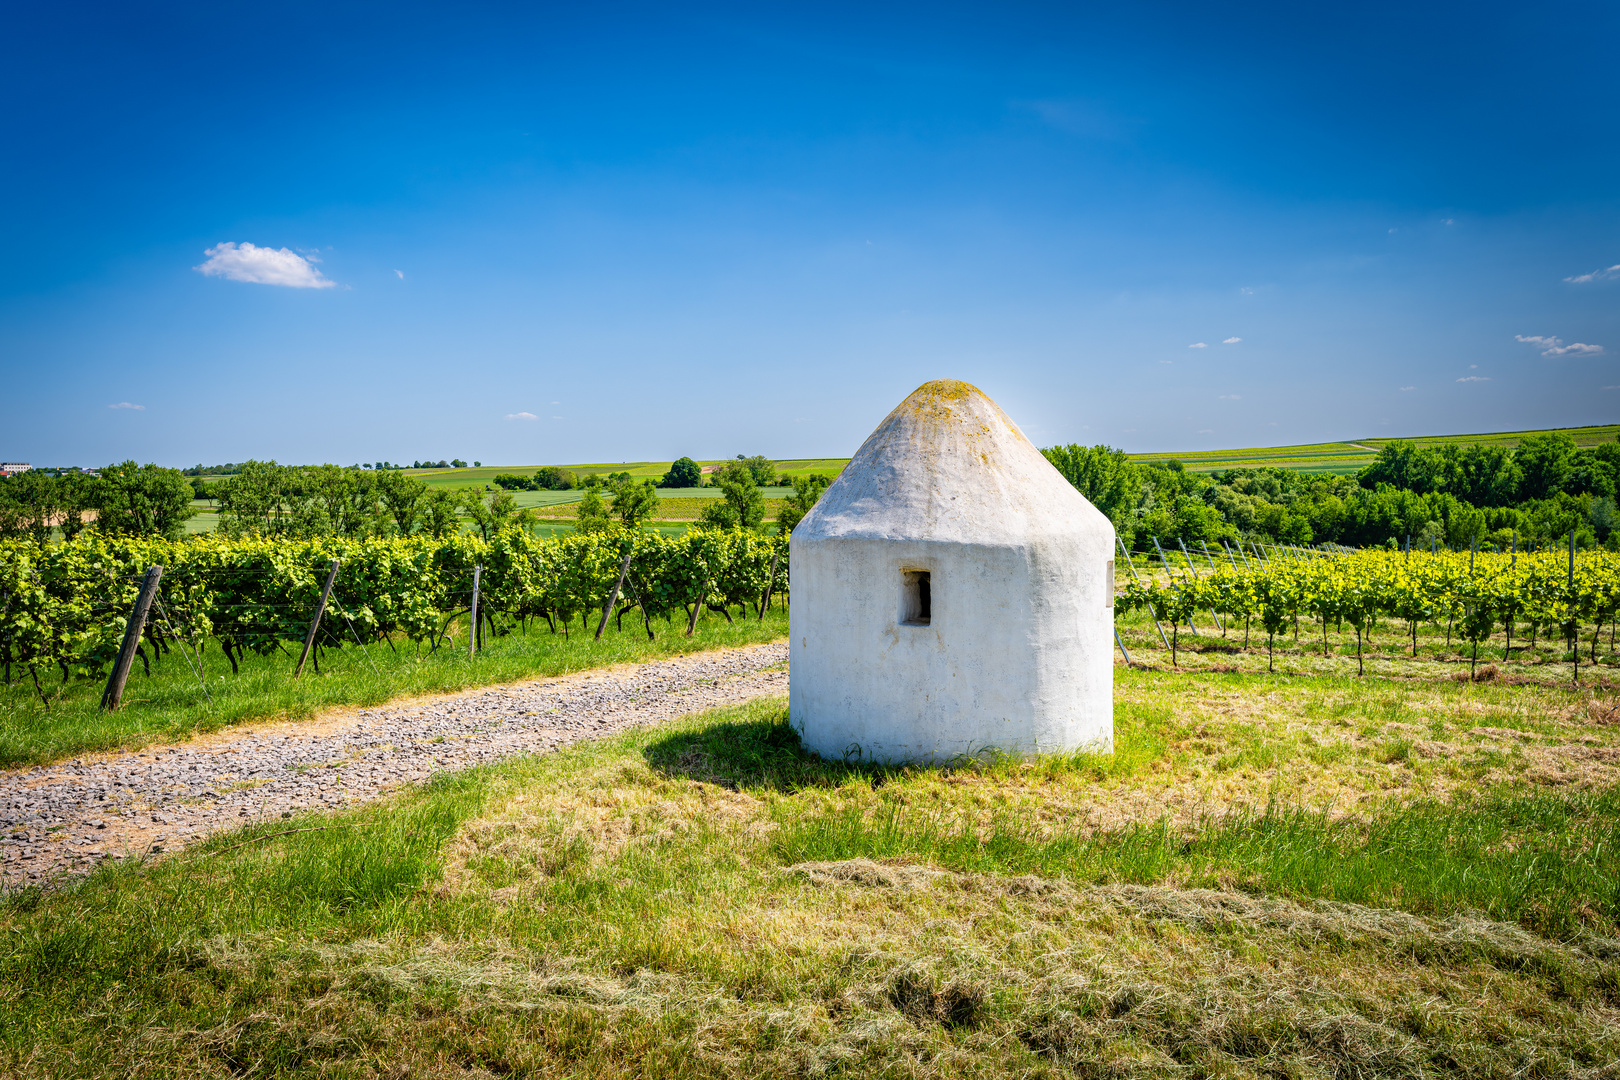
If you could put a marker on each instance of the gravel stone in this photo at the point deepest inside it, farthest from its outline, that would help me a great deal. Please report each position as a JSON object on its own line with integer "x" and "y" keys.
{"x": 137, "y": 802}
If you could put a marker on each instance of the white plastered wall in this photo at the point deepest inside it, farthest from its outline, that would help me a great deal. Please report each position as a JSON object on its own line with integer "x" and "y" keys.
{"x": 1018, "y": 653}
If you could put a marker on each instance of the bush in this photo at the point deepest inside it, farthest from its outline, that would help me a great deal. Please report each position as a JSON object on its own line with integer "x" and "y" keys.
{"x": 684, "y": 473}
{"x": 513, "y": 482}
{"x": 553, "y": 478}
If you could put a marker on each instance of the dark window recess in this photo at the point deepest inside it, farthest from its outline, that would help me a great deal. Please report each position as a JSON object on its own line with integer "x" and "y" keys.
{"x": 916, "y": 598}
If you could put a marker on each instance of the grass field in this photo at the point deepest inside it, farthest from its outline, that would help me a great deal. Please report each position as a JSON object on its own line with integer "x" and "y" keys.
{"x": 1348, "y": 457}
{"x": 1271, "y": 876}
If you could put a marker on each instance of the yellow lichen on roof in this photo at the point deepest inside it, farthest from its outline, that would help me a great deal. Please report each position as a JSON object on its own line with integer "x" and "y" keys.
{"x": 944, "y": 390}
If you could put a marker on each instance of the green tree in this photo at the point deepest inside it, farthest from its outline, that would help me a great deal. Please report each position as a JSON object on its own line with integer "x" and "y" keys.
{"x": 684, "y": 473}
{"x": 807, "y": 491}
{"x": 1546, "y": 463}
{"x": 1103, "y": 475}
{"x": 142, "y": 500}
{"x": 743, "y": 505}
{"x": 1404, "y": 464}
{"x": 490, "y": 514}
{"x": 634, "y": 502}
{"x": 347, "y": 499}
{"x": 1480, "y": 475}
{"x": 592, "y": 515}
{"x": 401, "y": 497}
{"x": 439, "y": 513}
{"x": 32, "y": 504}
{"x": 760, "y": 467}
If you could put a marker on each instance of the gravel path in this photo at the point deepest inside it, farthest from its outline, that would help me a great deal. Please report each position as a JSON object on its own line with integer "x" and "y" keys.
{"x": 64, "y": 818}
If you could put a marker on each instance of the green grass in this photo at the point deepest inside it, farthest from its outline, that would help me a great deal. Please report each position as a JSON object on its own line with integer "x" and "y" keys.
{"x": 169, "y": 704}
{"x": 704, "y": 898}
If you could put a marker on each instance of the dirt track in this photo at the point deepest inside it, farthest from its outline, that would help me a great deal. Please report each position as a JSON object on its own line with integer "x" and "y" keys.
{"x": 64, "y": 818}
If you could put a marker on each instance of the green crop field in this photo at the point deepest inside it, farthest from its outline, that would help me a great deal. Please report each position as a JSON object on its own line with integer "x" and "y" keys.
{"x": 1347, "y": 457}
{"x": 1326, "y": 457}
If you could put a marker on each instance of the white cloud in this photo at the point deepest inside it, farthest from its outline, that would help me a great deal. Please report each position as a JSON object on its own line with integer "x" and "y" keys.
{"x": 1198, "y": 345}
{"x": 1577, "y": 349}
{"x": 1612, "y": 388}
{"x": 1552, "y": 346}
{"x": 128, "y": 405}
{"x": 1231, "y": 341}
{"x": 401, "y": 274}
{"x": 1448, "y": 221}
{"x": 1246, "y": 291}
{"x": 1206, "y": 431}
{"x": 263, "y": 266}
{"x": 1231, "y": 397}
{"x": 1408, "y": 388}
{"x": 1166, "y": 361}
{"x": 1475, "y": 378}
{"x": 1597, "y": 275}
{"x": 521, "y": 416}
{"x": 1392, "y": 231}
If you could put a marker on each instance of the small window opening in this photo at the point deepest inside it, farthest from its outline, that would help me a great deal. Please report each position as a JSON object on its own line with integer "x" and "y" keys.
{"x": 916, "y": 598}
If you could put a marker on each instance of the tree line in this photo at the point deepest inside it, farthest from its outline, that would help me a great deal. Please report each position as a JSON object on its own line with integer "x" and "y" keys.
{"x": 1441, "y": 496}
{"x": 124, "y": 500}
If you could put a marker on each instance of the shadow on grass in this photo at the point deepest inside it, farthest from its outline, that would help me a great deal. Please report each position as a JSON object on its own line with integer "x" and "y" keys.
{"x": 764, "y": 753}
{"x": 759, "y": 754}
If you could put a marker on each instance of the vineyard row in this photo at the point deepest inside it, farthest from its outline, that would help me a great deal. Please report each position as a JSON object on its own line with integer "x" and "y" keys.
{"x": 65, "y": 606}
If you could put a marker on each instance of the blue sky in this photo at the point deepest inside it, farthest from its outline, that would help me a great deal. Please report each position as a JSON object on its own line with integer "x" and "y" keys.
{"x": 529, "y": 233}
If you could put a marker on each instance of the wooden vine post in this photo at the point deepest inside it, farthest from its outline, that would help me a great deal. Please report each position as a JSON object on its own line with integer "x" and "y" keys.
{"x": 1154, "y": 615}
{"x": 472, "y": 625}
{"x": 770, "y": 584}
{"x": 114, "y": 693}
{"x": 698, "y": 609}
{"x": 613, "y": 599}
{"x": 315, "y": 623}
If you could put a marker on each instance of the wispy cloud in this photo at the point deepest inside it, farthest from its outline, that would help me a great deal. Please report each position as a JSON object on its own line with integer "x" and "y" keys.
{"x": 1551, "y": 346}
{"x": 1404, "y": 388}
{"x": 1199, "y": 345}
{"x": 1448, "y": 221}
{"x": 1087, "y": 119}
{"x": 1606, "y": 274}
{"x": 1231, "y": 397}
{"x": 521, "y": 416}
{"x": 128, "y": 405}
{"x": 1475, "y": 378}
{"x": 263, "y": 266}
{"x": 1206, "y": 431}
{"x": 401, "y": 274}
{"x": 1231, "y": 341}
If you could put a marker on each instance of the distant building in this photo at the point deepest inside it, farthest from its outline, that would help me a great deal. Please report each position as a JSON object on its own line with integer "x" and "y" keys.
{"x": 12, "y": 468}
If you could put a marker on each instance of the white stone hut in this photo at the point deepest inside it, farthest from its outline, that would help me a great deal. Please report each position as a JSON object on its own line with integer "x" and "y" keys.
{"x": 952, "y": 593}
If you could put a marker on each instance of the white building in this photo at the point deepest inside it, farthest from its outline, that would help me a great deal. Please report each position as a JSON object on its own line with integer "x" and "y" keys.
{"x": 12, "y": 468}
{"x": 952, "y": 593}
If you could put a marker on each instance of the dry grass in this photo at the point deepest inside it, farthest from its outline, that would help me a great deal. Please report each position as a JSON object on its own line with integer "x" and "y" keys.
{"x": 636, "y": 908}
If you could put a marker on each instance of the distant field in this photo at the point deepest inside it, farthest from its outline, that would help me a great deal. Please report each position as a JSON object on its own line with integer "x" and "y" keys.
{"x": 1347, "y": 457}
{"x": 1341, "y": 458}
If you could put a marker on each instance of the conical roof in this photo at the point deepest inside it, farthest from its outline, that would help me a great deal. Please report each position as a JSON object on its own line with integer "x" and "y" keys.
{"x": 948, "y": 465}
